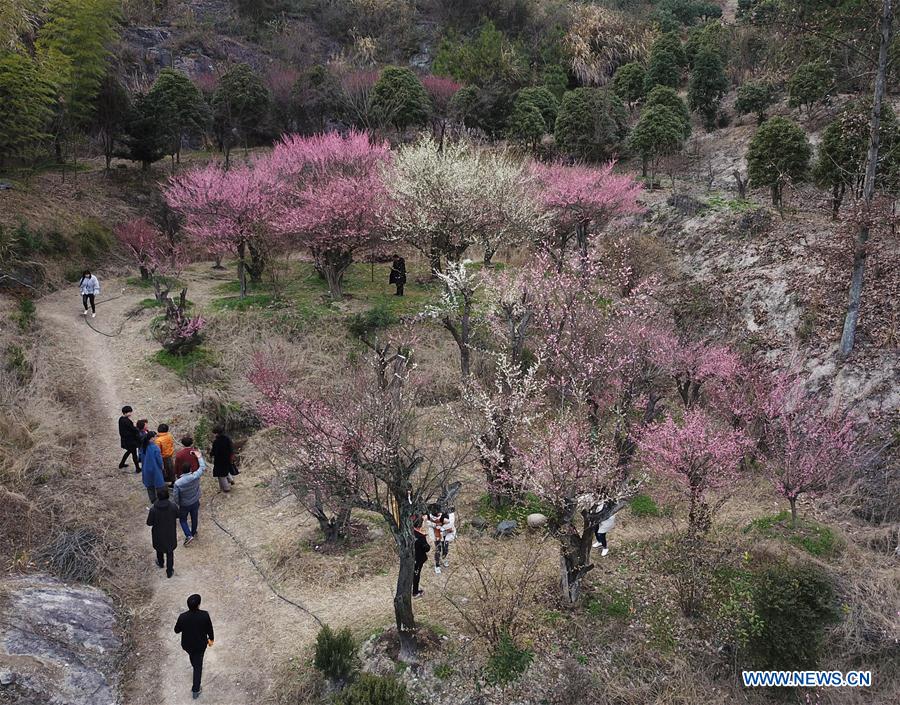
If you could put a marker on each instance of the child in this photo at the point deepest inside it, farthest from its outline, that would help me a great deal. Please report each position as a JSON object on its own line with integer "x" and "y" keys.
{"x": 421, "y": 550}
{"x": 166, "y": 444}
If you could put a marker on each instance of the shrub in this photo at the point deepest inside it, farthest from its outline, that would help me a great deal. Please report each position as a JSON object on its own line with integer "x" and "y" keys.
{"x": 628, "y": 82}
{"x": 526, "y": 123}
{"x": 591, "y": 124}
{"x": 507, "y": 662}
{"x": 335, "y": 655}
{"x": 363, "y": 325}
{"x": 370, "y": 689}
{"x": 754, "y": 97}
{"x": 25, "y": 316}
{"x": 779, "y": 152}
{"x": 543, "y": 99}
{"x": 810, "y": 84}
{"x": 794, "y": 604}
{"x": 712, "y": 36}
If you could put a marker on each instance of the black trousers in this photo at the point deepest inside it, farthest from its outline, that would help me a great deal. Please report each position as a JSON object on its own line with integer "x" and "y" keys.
{"x": 417, "y": 573}
{"x": 84, "y": 301}
{"x": 601, "y": 539}
{"x": 133, "y": 453}
{"x": 197, "y": 663}
{"x": 399, "y": 288}
{"x": 170, "y": 560}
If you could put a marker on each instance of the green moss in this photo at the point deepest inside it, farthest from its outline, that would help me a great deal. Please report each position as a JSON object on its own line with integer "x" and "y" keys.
{"x": 643, "y": 505}
{"x": 182, "y": 364}
{"x": 814, "y": 538}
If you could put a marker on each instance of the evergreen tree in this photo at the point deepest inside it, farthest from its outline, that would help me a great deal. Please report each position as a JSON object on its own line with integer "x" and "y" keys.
{"x": 670, "y": 99}
{"x": 628, "y": 83}
{"x": 840, "y": 165}
{"x": 26, "y": 106}
{"x": 778, "y": 153}
{"x": 810, "y": 84}
{"x": 240, "y": 107}
{"x": 399, "y": 99}
{"x": 591, "y": 124}
{"x": 111, "y": 114}
{"x": 543, "y": 100}
{"x": 556, "y": 80}
{"x": 662, "y": 70}
{"x": 658, "y": 133}
{"x": 671, "y": 42}
{"x": 184, "y": 112}
{"x": 754, "y": 97}
{"x": 707, "y": 86}
{"x": 485, "y": 59}
{"x": 526, "y": 123}
{"x": 147, "y": 137}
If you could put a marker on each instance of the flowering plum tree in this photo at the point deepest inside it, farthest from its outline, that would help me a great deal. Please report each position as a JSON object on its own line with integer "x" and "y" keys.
{"x": 333, "y": 199}
{"x": 581, "y": 484}
{"x": 449, "y": 199}
{"x": 369, "y": 448}
{"x": 150, "y": 250}
{"x": 581, "y": 200}
{"x": 806, "y": 445}
{"x": 699, "y": 454}
{"x": 457, "y": 310}
{"x": 225, "y": 211}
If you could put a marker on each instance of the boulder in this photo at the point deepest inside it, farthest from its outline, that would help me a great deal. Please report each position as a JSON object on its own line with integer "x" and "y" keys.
{"x": 59, "y": 643}
{"x": 536, "y": 520}
{"x": 479, "y": 523}
{"x": 507, "y": 527}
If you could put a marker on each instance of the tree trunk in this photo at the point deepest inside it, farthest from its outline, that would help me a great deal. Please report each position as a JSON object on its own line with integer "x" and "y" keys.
{"x": 837, "y": 197}
{"x": 574, "y": 562}
{"x": 862, "y": 238}
{"x": 434, "y": 260}
{"x": 776, "y": 195}
{"x": 257, "y": 264}
{"x": 581, "y": 236}
{"x": 218, "y": 264}
{"x": 403, "y": 611}
{"x": 334, "y": 264}
{"x": 793, "y": 501}
{"x": 644, "y": 167}
{"x": 489, "y": 253}
{"x": 145, "y": 273}
{"x": 242, "y": 277}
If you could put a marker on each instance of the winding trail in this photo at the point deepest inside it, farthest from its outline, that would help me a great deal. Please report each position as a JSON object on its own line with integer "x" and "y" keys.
{"x": 253, "y": 628}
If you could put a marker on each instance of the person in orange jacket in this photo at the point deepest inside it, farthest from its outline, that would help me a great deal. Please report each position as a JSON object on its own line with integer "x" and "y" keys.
{"x": 166, "y": 443}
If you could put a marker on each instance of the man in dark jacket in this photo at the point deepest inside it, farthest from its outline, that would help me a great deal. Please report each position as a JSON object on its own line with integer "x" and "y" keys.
{"x": 128, "y": 438}
{"x": 162, "y": 520}
{"x": 421, "y": 550}
{"x": 398, "y": 273}
{"x": 222, "y": 453}
{"x": 196, "y": 631}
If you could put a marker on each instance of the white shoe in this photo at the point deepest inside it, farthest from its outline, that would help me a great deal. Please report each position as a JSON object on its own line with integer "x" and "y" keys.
{"x": 596, "y": 544}
{"x": 437, "y": 570}
{"x": 417, "y": 595}
{"x": 445, "y": 562}
{"x": 84, "y": 313}
{"x": 604, "y": 551}
{"x": 93, "y": 315}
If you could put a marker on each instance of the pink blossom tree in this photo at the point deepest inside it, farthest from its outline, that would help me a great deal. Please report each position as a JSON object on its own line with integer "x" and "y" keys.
{"x": 581, "y": 484}
{"x": 370, "y": 444}
{"x": 700, "y": 455}
{"x": 226, "y": 212}
{"x": 158, "y": 256}
{"x": 581, "y": 200}
{"x": 333, "y": 200}
{"x": 805, "y": 444}
{"x": 441, "y": 91}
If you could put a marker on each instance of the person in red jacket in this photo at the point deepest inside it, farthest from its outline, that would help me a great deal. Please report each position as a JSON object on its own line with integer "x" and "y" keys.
{"x": 185, "y": 460}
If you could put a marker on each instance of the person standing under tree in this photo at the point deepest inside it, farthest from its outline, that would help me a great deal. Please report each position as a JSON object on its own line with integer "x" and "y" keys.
{"x": 223, "y": 459}
{"x": 421, "y": 549}
{"x": 161, "y": 520}
{"x": 90, "y": 287}
{"x": 196, "y": 631}
{"x": 398, "y": 274}
{"x": 605, "y": 527}
{"x": 129, "y": 439}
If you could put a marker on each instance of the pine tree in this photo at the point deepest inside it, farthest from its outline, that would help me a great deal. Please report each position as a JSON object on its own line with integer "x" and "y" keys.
{"x": 755, "y": 97}
{"x": 662, "y": 70}
{"x": 628, "y": 83}
{"x": 399, "y": 99}
{"x": 810, "y": 84}
{"x": 111, "y": 111}
{"x": 707, "y": 86}
{"x": 778, "y": 153}
{"x": 147, "y": 138}
{"x": 526, "y": 123}
{"x": 240, "y": 107}
{"x": 670, "y": 99}
{"x": 591, "y": 124}
{"x": 543, "y": 100}
{"x": 658, "y": 133}
{"x": 184, "y": 112}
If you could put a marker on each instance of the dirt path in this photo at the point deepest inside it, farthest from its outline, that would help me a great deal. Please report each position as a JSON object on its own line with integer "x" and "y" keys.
{"x": 253, "y": 628}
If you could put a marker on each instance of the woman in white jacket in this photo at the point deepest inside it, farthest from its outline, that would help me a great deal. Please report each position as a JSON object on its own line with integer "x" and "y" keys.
{"x": 90, "y": 287}
{"x": 605, "y": 527}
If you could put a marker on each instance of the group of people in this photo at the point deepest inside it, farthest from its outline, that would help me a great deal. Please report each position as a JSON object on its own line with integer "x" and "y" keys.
{"x": 172, "y": 480}
{"x": 442, "y": 527}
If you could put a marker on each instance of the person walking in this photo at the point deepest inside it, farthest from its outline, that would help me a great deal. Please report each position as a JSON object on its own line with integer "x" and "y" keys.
{"x": 603, "y": 529}
{"x": 421, "y": 554}
{"x": 398, "y": 274}
{"x": 152, "y": 467}
{"x": 196, "y": 631}
{"x": 141, "y": 426}
{"x": 185, "y": 460}
{"x": 129, "y": 439}
{"x": 186, "y": 493}
{"x": 90, "y": 287}
{"x": 223, "y": 459}
{"x": 166, "y": 443}
{"x": 161, "y": 520}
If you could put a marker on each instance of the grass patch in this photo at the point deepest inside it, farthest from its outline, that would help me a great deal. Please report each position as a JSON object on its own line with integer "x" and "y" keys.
{"x": 610, "y": 604}
{"x": 643, "y": 505}
{"x": 518, "y": 511}
{"x": 735, "y": 205}
{"x": 814, "y": 538}
{"x": 443, "y": 671}
{"x": 25, "y": 316}
{"x": 182, "y": 364}
{"x": 170, "y": 282}
{"x": 235, "y": 303}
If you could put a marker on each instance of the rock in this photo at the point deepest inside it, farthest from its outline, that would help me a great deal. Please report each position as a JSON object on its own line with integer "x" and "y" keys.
{"x": 59, "y": 643}
{"x": 479, "y": 523}
{"x": 687, "y": 205}
{"x": 507, "y": 527}
{"x": 536, "y": 520}
{"x": 5, "y": 186}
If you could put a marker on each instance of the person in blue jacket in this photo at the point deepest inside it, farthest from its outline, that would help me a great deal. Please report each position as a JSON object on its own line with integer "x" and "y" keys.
{"x": 151, "y": 466}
